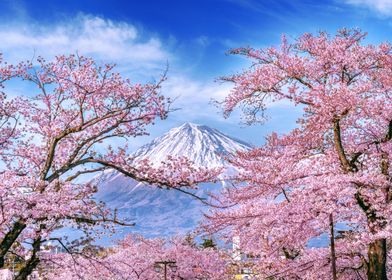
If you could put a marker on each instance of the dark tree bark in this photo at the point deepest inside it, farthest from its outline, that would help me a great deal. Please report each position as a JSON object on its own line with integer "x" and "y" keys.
{"x": 9, "y": 239}
{"x": 377, "y": 254}
{"x": 377, "y": 250}
{"x": 333, "y": 254}
{"x": 32, "y": 263}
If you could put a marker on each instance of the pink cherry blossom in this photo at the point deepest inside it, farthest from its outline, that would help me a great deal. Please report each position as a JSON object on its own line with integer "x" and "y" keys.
{"x": 60, "y": 131}
{"x": 136, "y": 257}
{"x": 336, "y": 162}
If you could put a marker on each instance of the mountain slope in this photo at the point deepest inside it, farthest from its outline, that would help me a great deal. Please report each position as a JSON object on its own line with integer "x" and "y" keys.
{"x": 166, "y": 212}
{"x": 203, "y": 145}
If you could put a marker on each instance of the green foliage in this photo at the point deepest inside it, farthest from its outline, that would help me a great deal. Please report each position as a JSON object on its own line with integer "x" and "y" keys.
{"x": 208, "y": 243}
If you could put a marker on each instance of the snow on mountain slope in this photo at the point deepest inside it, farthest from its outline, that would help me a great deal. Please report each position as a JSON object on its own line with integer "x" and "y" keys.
{"x": 167, "y": 212}
{"x": 203, "y": 145}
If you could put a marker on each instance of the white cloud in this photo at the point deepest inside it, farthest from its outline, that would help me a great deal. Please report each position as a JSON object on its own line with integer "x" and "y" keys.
{"x": 193, "y": 97}
{"x": 185, "y": 87}
{"x": 113, "y": 41}
{"x": 137, "y": 57}
{"x": 100, "y": 38}
{"x": 383, "y": 7}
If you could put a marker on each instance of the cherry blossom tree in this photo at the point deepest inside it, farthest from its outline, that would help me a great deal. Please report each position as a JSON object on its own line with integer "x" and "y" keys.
{"x": 8, "y": 121}
{"x": 136, "y": 257}
{"x": 61, "y": 131}
{"x": 335, "y": 164}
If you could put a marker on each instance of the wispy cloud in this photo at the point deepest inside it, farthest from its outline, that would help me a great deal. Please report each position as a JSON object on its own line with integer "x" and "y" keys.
{"x": 382, "y": 7}
{"x": 194, "y": 97}
{"x": 136, "y": 55}
{"x": 89, "y": 35}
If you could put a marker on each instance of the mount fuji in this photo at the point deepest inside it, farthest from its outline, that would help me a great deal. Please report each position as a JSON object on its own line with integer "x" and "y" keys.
{"x": 156, "y": 211}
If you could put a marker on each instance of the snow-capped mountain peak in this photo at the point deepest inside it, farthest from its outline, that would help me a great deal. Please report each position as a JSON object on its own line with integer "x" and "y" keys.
{"x": 159, "y": 211}
{"x": 203, "y": 145}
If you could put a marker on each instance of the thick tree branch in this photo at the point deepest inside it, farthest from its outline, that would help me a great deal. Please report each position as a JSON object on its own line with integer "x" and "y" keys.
{"x": 10, "y": 238}
{"x": 339, "y": 146}
{"x": 32, "y": 262}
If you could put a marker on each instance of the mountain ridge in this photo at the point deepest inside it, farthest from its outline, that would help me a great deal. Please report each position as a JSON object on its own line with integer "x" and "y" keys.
{"x": 167, "y": 212}
{"x": 203, "y": 145}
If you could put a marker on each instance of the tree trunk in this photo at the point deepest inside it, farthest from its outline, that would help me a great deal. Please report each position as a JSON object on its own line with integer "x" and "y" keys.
{"x": 377, "y": 254}
{"x": 9, "y": 240}
{"x": 32, "y": 263}
{"x": 333, "y": 254}
{"x": 27, "y": 269}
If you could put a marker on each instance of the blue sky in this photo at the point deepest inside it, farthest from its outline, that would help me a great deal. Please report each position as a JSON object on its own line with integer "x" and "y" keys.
{"x": 192, "y": 36}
